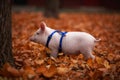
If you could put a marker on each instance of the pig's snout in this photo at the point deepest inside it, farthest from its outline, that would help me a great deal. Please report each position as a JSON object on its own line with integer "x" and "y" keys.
{"x": 31, "y": 39}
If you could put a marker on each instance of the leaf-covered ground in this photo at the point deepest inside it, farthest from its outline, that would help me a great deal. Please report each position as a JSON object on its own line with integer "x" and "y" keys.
{"x": 34, "y": 64}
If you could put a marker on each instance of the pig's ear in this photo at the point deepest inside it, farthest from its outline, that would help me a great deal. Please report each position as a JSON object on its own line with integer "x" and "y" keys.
{"x": 42, "y": 26}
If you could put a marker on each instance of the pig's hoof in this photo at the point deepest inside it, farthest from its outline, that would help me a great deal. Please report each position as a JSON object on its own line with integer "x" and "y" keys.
{"x": 55, "y": 56}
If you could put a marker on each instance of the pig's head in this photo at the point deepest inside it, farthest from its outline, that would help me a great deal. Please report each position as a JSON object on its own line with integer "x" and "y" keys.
{"x": 40, "y": 35}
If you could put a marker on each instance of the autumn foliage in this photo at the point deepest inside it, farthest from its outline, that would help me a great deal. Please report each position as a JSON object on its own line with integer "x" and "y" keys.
{"x": 34, "y": 64}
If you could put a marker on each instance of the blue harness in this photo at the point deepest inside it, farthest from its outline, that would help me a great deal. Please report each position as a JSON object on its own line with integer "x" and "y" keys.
{"x": 60, "y": 42}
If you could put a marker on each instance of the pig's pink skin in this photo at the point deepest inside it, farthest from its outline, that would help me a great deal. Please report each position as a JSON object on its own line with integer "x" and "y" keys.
{"x": 73, "y": 42}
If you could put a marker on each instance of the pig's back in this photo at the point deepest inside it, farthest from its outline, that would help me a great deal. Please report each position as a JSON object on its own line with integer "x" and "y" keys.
{"x": 79, "y": 36}
{"x": 73, "y": 41}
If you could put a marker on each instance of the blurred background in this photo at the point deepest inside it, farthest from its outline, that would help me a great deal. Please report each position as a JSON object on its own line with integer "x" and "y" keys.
{"x": 108, "y": 4}
{"x": 52, "y": 8}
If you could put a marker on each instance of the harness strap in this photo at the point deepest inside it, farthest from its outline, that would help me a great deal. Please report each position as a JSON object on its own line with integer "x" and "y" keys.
{"x": 49, "y": 37}
{"x": 60, "y": 42}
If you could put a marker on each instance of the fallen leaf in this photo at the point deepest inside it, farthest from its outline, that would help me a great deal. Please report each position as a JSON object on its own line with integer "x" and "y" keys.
{"x": 106, "y": 64}
{"x": 14, "y": 72}
{"x": 91, "y": 74}
{"x": 90, "y": 62}
{"x": 41, "y": 69}
{"x": 62, "y": 70}
{"x": 39, "y": 62}
{"x": 28, "y": 72}
{"x": 9, "y": 71}
{"x": 50, "y": 72}
{"x": 99, "y": 60}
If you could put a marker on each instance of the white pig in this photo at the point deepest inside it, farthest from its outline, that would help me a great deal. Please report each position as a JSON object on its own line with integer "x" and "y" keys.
{"x": 72, "y": 42}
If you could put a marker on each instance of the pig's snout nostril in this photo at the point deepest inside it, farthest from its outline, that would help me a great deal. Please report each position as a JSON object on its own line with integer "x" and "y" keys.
{"x": 31, "y": 39}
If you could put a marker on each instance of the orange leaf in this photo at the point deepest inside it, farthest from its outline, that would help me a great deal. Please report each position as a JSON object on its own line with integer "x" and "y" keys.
{"x": 41, "y": 69}
{"x": 4, "y": 71}
{"x": 90, "y": 62}
{"x": 14, "y": 72}
{"x": 99, "y": 60}
{"x": 62, "y": 70}
{"x": 110, "y": 56}
{"x": 103, "y": 70}
{"x": 39, "y": 62}
{"x": 106, "y": 64}
{"x": 9, "y": 71}
{"x": 50, "y": 72}
{"x": 91, "y": 74}
{"x": 28, "y": 72}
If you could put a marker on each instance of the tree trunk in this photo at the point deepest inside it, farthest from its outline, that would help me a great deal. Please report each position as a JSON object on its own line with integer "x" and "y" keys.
{"x": 51, "y": 8}
{"x": 5, "y": 33}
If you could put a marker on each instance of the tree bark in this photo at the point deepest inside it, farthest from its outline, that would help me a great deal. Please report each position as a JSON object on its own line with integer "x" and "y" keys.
{"x": 51, "y": 8}
{"x": 5, "y": 33}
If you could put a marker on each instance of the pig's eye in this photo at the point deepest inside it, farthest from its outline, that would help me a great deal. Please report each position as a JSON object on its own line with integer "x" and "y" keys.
{"x": 37, "y": 33}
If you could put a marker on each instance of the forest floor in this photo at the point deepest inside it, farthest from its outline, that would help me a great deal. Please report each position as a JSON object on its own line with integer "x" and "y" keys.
{"x": 34, "y": 64}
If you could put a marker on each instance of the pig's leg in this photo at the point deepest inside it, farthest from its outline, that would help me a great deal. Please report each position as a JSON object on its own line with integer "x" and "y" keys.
{"x": 54, "y": 53}
{"x": 87, "y": 53}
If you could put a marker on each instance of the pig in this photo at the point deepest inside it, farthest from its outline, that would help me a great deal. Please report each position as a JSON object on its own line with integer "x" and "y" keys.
{"x": 72, "y": 42}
